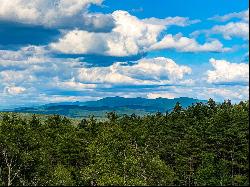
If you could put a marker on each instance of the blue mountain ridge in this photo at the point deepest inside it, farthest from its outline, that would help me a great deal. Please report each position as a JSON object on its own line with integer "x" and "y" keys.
{"x": 99, "y": 108}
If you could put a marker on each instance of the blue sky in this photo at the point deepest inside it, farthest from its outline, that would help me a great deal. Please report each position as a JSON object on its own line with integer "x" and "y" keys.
{"x": 78, "y": 50}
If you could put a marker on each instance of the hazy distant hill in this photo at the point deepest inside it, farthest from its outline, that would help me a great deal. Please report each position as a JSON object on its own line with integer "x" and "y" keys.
{"x": 139, "y": 106}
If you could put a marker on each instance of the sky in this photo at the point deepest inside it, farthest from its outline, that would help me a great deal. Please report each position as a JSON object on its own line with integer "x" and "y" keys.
{"x": 80, "y": 50}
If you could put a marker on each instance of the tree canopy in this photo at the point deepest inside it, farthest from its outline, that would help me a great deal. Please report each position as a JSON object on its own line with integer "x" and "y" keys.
{"x": 204, "y": 144}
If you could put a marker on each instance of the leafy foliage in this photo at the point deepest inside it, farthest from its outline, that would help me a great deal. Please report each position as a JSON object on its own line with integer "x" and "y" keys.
{"x": 204, "y": 144}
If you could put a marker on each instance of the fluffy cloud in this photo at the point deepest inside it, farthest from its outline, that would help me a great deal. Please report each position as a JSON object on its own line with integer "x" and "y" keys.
{"x": 73, "y": 13}
{"x": 220, "y": 93}
{"x": 36, "y": 72}
{"x": 179, "y": 21}
{"x": 126, "y": 39}
{"x": 81, "y": 42}
{"x": 32, "y": 68}
{"x": 185, "y": 44}
{"x": 238, "y": 29}
{"x": 225, "y": 72}
{"x": 43, "y": 81}
{"x": 46, "y": 72}
{"x": 231, "y": 29}
{"x": 118, "y": 34}
{"x": 14, "y": 90}
{"x": 11, "y": 76}
{"x": 44, "y": 12}
{"x": 243, "y": 15}
{"x": 162, "y": 95}
{"x": 98, "y": 22}
{"x": 25, "y": 56}
{"x": 59, "y": 98}
{"x": 154, "y": 71}
{"x": 71, "y": 85}
{"x": 235, "y": 94}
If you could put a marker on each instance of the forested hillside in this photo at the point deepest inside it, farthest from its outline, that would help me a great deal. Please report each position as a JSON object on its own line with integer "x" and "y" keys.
{"x": 205, "y": 144}
{"x": 99, "y": 108}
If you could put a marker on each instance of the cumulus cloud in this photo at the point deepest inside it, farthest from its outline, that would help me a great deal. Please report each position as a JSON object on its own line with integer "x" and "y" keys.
{"x": 14, "y": 90}
{"x": 169, "y": 21}
{"x": 45, "y": 82}
{"x": 81, "y": 42}
{"x": 225, "y": 72}
{"x": 48, "y": 73}
{"x": 220, "y": 93}
{"x": 228, "y": 31}
{"x": 44, "y": 12}
{"x": 59, "y": 98}
{"x": 185, "y": 44}
{"x": 162, "y": 95}
{"x": 243, "y": 15}
{"x": 126, "y": 39}
{"x": 44, "y": 74}
{"x": 154, "y": 71}
{"x": 238, "y": 29}
{"x": 98, "y": 22}
{"x": 37, "y": 74}
{"x": 70, "y": 14}
{"x": 11, "y": 76}
{"x": 71, "y": 85}
{"x": 32, "y": 68}
{"x": 233, "y": 93}
{"x": 24, "y": 56}
{"x": 231, "y": 29}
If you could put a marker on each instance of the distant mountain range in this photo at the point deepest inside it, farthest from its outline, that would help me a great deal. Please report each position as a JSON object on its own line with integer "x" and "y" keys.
{"x": 99, "y": 108}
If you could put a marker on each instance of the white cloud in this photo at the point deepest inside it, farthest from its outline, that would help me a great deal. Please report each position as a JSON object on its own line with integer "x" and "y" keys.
{"x": 231, "y": 29}
{"x": 185, "y": 44}
{"x": 14, "y": 90}
{"x": 145, "y": 71}
{"x": 226, "y": 72}
{"x": 238, "y": 29}
{"x": 25, "y": 81}
{"x": 44, "y": 12}
{"x": 162, "y": 95}
{"x": 11, "y": 76}
{"x": 98, "y": 22}
{"x": 99, "y": 82}
{"x": 59, "y": 98}
{"x": 169, "y": 21}
{"x": 44, "y": 75}
{"x": 81, "y": 42}
{"x": 131, "y": 36}
{"x": 243, "y": 15}
{"x": 228, "y": 31}
{"x": 220, "y": 93}
{"x": 25, "y": 56}
{"x": 32, "y": 68}
{"x": 234, "y": 93}
{"x": 67, "y": 14}
{"x": 70, "y": 85}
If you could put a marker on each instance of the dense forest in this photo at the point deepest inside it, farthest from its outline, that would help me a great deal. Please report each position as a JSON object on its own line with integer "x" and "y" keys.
{"x": 204, "y": 144}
